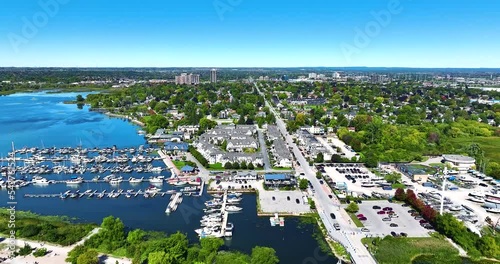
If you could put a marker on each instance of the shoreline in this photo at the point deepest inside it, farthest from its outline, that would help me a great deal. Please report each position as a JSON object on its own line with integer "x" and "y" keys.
{"x": 131, "y": 119}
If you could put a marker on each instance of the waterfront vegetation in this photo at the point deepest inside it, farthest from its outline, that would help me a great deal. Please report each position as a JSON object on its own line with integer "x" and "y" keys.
{"x": 319, "y": 232}
{"x": 53, "y": 229}
{"x": 159, "y": 248}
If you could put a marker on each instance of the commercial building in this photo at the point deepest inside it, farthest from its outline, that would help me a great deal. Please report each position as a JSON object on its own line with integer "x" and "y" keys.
{"x": 459, "y": 162}
{"x": 279, "y": 180}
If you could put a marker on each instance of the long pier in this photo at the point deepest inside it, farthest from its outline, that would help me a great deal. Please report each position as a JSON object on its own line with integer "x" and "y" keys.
{"x": 225, "y": 215}
{"x": 91, "y": 194}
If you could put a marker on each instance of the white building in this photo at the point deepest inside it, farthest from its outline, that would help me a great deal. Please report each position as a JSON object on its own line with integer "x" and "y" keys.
{"x": 459, "y": 162}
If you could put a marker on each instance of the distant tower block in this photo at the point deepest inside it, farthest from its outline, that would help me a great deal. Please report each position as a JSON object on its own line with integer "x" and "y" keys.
{"x": 213, "y": 75}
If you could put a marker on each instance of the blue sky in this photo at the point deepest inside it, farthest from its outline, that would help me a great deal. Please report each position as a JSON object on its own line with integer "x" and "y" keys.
{"x": 249, "y": 33}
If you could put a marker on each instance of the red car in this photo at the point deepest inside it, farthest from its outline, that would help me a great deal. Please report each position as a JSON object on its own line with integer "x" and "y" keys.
{"x": 362, "y": 218}
{"x": 381, "y": 212}
{"x": 360, "y": 215}
{"x": 423, "y": 221}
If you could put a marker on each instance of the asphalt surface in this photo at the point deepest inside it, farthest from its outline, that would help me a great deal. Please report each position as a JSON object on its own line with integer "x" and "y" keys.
{"x": 349, "y": 235}
{"x": 406, "y": 223}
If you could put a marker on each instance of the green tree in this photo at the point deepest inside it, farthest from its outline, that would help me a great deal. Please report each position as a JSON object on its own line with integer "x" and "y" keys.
{"x": 303, "y": 184}
{"x": 319, "y": 158}
{"x": 136, "y": 236}
{"x": 79, "y": 98}
{"x": 352, "y": 207}
{"x": 75, "y": 253}
{"x": 319, "y": 175}
{"x": 250, "y": 166}
{"x": 393, "y": 177}
{"x": 263, "y": 255}
{"x": 228, "y": 166}
{"x": 88, "y": 257}
{"x": 157, "y": 257}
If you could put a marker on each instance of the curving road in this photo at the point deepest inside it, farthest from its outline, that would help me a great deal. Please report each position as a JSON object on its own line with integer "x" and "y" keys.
{"x": 348, "y": 235}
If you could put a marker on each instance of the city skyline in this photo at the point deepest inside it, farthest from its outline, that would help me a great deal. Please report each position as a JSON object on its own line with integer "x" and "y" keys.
{"x": 232, "y": 34}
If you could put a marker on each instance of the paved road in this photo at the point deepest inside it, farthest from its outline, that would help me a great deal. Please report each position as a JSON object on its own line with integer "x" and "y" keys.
{"x": 263, "y": 148}
{"x": 347, "y": 235}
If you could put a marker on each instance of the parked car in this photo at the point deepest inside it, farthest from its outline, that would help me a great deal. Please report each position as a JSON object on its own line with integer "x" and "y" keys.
{"x": 405, "y": 205}
{"x": 288, "y": 198}
{"x": 411, "y": 211}
{"x": 381, "y": 212}
{"x": 387, "y": 209}
{"x": 423, "y": 221}
{"x": 386, "y": 219}
{"x": 418, "y": 218}
{"x": 336, "y": 226}
{"x": 403, "y": 234}
{"x": 428, "y": 226}
{"x": 394, "y": 216}
{"x": 393, "y": 225}
{"x": 360, "y": 215}
{"x": 330, "y": 196}
{"x": 364, "y": 229}
{"x": 274, "y": 198}
{"x": 362, "y": 218}
{"x": 297, "y": 201}
{"x": 376, "y": 207}
{"x": 394, "y": 234}
{"x": 332, "y": 215}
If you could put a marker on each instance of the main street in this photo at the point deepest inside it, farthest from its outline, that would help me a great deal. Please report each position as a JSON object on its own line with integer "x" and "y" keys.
{"x": 325, "y": 206}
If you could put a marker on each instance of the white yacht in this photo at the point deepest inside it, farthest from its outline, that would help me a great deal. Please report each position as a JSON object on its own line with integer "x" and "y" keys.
{"x": 74, "y": 181}
{"x": 116, "y": 181}
{"x": 40, "y": 180}
{"x": 134, "y": 180}
{"x": 232, "y": 208}
{"x": 158, "y": 179}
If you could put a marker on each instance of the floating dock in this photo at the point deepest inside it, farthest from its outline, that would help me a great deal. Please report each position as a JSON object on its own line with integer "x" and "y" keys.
{"x": 175, "y": 200}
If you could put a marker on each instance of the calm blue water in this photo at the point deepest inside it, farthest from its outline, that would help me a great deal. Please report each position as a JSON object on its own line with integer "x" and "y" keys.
{"x": 40, "y": 119}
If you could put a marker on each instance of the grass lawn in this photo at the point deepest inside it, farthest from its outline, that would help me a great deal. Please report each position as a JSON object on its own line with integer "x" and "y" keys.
{"x": 490, "y": 145}
{"x": 280, "y": 168}
{"x": 216, "y": 166}
{"x": 390, "y": 250}
{"x": 355, "y": 220}
{"x": 179, "y": 163}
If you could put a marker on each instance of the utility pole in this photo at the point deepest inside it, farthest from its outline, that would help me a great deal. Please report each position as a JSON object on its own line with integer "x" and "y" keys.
{"x": 445, "y": 172}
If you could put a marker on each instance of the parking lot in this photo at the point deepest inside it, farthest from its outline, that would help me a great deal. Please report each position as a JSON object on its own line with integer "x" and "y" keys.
{"x": 404, "y": 221}
{"x": 281, "y": 203}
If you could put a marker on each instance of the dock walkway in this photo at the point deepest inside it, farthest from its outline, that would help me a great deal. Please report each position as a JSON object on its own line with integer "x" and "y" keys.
{"x": 168, "y": 162}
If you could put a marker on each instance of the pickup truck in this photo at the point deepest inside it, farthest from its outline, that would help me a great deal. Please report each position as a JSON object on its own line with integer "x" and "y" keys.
{"x": 336, "y": 226}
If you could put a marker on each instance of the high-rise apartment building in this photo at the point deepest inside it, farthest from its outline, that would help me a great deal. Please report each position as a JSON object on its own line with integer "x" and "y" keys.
{"x": 184, "y": 78}
{"x": 213, "y": 75}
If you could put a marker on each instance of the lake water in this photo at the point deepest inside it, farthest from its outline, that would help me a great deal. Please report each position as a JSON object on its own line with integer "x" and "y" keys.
{"x": 43, "y": 120}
